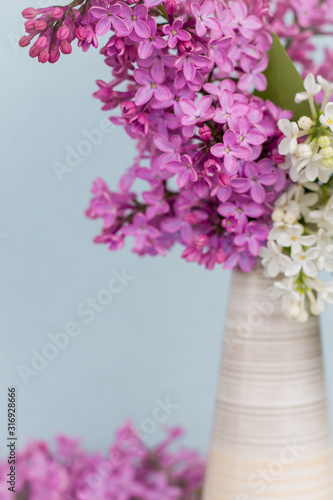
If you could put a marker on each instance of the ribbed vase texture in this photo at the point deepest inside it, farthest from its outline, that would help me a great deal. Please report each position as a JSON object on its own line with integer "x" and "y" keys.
{"x": 271, "y": 437}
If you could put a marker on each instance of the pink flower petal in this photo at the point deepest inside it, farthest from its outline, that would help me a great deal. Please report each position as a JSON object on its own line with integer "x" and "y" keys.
{"x": 258, "y": 192}
{"x": 189, "y": 69}
{"x": 143, "y": 95}
{"x": 162, "y": 93}
{"x": 103, "y": 26}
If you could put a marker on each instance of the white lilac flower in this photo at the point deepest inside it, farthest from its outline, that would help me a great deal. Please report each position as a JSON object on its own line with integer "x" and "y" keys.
{"x": 293, "y": 172}
{"x": 305, "y": 201}
{"x": 314, "y": 169}
{"x": 325, "y": 260}
{"x": 300, "y": 242}
{"x": 277, "y": 229}
{"x": 293, "y": 204}
{"x": 324, "y": 213}
{"x": 325, "y": 84}
{"x": 304, "y": 261}
{"x": 285, "y": 290}
{"x": 289, "y": 142}
{"x": 286, "y": 201}
{"x": 303, "y": 314}
{"x": 323, "y": 291}
{"x": 311, "y": 89}
{"x": 327, "y": 118}
{"x": 290, "y": 164}
{"x": 273, "y": 260}
{"x": 325, "y": 294}
{"x": 293, "y": 237}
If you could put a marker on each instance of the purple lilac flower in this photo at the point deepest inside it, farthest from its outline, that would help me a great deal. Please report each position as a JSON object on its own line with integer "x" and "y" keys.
{"x": 254, "y": 234}
{"x": 254, "y": 181}
{"x": 195, "y": 113}
{"x": 253, "y": 75}
{"x": 241, "y": 208}
{"x": 245, "y": 23}
{"x": 109, "y": 16}
{"x": 153, "y": 40}
{"x": 185, "y": 170}
{"x": 141, "y": 230}
{"x": 150, "y": 88}
{"x": 130, "y": 470}
{"x": 202, "y": 16}
{"x": 229, "y": 150}
{"x": 175, "y": 33}
{"x": 189, "y": 63}
{"x": 230, "y": 109}
{"x": 135, "y": 19}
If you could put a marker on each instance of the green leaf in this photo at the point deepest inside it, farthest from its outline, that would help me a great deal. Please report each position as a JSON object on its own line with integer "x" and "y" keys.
{"x": 283, "y": 81}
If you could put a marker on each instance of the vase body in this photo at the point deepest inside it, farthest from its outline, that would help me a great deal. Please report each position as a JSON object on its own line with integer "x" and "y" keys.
{"x": 271, "y": 438}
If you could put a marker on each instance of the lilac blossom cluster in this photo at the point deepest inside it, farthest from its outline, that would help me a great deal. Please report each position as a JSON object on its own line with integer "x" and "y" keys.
{"x": 300, "y": 243}
{"x": 206, "y": 147}
{"x": 130, "y": 471}
{"x": 183, "y": 73}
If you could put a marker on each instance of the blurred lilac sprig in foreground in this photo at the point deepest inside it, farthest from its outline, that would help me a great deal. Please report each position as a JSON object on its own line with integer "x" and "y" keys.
{"x": 130, "y": 471}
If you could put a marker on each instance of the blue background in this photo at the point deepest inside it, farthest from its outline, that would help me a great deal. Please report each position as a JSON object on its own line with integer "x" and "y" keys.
{"x": 161, "y": 337}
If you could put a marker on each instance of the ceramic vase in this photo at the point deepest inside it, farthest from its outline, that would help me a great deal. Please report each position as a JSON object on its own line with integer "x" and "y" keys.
{"x": 271, "y": 437}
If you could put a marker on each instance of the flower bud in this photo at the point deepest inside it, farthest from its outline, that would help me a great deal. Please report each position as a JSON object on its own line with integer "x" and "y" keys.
{"x": 81, "y": 33}
{"x": 294, "y": 310}
{"x": 24, "y": 41}
{"x": 140, "y": 124}
{"x": 315, "y": 309}
{"x": 211, "y": 167}
{"x": 191, "y": 219}
{"x": 328, "y": 162}
{"x": 41, "y": 42}
{"x": 63, "y": 32}
{"x": 304, "y": 151}
{"x": 57, "y": 13}
{"x": 220, "y": 256}
{"x": 186, "y": 47}
{"x": 128, "y": 108}
{"x": 170, "y": 7}
{"x": 66, "y": 48}
{"x": 277, "y": 158}
{"x": 30, "y": 25}
{"x": 326, "y": 152}
{"x": 205, "y": 133}
{"x": 43, "y": 56}
{"x": 29, "y": 13}
{"x": 290, "y": 217}
{"x": 324, "y": 141}
{"x": 202, "y": 240}
{"x": 41, "y": 25}
{"x": 223, "y": 179}
{"x": 303, "y": 316}
{"x": 54, "y": 56}
{"x": 34, "y": 51}
{"x": 278, "y": 215}
{"x": 305, "y": 123}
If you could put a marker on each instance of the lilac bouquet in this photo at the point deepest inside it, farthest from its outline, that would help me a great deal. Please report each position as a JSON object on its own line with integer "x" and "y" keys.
{"x": 130, "y": 471}
{"x": 206, "y": 90}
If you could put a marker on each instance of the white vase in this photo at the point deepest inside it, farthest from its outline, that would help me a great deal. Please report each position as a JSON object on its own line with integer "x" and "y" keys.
{"x": 271, "y": 438}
